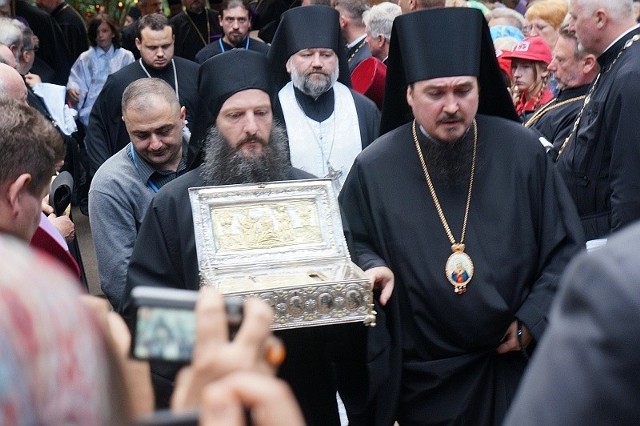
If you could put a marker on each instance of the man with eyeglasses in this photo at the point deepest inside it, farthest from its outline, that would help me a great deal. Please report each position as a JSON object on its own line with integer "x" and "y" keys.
{"x": 236, "y": 23}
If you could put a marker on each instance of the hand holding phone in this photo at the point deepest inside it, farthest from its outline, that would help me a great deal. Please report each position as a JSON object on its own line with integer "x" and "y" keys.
{"x": 215, "y": 355}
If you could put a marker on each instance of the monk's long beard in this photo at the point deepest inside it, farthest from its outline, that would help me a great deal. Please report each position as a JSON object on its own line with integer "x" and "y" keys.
{"x": 449, "y": 162}
{"x": 224, "y": 165}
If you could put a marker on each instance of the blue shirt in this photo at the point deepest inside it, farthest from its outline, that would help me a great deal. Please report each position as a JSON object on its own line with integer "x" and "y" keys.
{"x": 90, "y": 72}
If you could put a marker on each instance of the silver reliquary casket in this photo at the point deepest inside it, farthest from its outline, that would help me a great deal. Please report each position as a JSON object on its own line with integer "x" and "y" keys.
{"x": 282, "y": 242}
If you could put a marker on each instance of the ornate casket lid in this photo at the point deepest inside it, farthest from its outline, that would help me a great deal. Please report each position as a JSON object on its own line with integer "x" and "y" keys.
{"x": 264, "y": 224}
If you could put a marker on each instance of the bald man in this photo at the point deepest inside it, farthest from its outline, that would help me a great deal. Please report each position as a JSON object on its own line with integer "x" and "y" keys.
{"x": 11, "y": 83}
{"x": 6, "y": 56}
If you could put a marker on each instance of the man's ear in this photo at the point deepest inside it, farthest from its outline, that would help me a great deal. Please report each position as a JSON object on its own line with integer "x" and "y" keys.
{"x": 601, "y": 18}
{"x": 590, "y": 62}
{"x": 138, "y": 43}
{"x": 288, "y": 65}
{"x": 17, "y": 189}
{"x": 410, "y": 95}
{"x": 183, "y": 115}
{"x": 343, "y": 21}
{"x": 413, "y": 4}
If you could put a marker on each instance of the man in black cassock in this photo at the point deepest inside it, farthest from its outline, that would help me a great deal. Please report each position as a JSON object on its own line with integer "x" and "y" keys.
{"x": 601, "y": 160}
{"x": 459, "y": 184}
{"x": 235, "y": 24}
{"x": 71, "y": 23}
{"x": 244, "y": 145}
{"x": 106, "y": 133}
{"x": 129, "y": 32}
{"x": 52, "y": 50}
{"x": 195, "y": 27}
{"x": 328, "y": 124}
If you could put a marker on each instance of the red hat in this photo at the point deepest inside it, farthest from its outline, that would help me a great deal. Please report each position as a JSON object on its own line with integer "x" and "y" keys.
{"x": 368, "y": 78}
{"x": 531, "y": 49}
{"x": 503, "y": 62}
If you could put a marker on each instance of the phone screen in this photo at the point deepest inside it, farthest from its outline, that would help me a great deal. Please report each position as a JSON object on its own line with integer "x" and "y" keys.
{"x": 164, "y": 333}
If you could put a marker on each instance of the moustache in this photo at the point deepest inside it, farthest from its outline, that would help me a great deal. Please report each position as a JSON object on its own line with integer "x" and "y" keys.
{"x": 450, "y": 117}
{"x": 251, "y": 139}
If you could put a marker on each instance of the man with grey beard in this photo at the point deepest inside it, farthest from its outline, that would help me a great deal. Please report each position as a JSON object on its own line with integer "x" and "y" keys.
{"x": 328, "y": 124}
{"x": 244, "y": 145}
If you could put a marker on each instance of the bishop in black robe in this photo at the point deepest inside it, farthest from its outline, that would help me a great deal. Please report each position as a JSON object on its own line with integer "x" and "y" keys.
{"x": 437, "y": 349}
{"x": 106, "y": 133}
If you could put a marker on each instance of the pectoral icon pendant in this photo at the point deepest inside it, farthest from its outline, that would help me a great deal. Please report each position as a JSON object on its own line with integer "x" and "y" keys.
{"x": 459, "y": 269}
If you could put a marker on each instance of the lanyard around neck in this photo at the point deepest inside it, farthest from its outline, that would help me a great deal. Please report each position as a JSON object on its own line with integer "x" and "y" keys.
{"x": 175, "y": 76}
{"x": 246, "y": 45}
{"x": 151, "y": 184}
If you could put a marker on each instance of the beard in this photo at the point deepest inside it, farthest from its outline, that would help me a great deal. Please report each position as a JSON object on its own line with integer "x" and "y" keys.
{"x": 449, "y": 162}
{"x": 224, "y": 165}
{"x": 314, "y": 87}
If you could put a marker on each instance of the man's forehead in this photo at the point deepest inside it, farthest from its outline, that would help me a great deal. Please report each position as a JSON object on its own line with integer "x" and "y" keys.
{"x": 147, "y": 32}
{"x": 235, "y": 11}
{"x": 450, "y": 81}
{"x": 248, "y": 98}
{"x": 312, "y": 50}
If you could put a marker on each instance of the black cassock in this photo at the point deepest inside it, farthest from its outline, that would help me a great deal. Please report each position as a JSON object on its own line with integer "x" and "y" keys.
{"x": 601, "y": 163}
{"x": 106, "y": 133}
{"x": 193, "y": 32}
{"x": 317, "y": 359}
{"x": 435, "y": 359}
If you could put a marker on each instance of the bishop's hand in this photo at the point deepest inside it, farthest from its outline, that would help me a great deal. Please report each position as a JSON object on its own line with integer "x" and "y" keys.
{"x": 382, "y": 278}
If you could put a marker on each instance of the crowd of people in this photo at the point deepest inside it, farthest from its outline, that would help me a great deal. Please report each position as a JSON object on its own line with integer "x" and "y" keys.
{"x": 487, "y": 168}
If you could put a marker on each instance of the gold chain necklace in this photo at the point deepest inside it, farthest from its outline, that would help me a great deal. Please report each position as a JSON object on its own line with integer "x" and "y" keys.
{"x": 459, "y": 267}
{"x": 576, "y": 123}
{"x": 550, "y": 107}
{"x": 193, "y": 24}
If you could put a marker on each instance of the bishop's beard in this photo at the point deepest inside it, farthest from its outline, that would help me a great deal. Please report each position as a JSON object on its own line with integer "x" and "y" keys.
{"x": 224, "y": 165}
{"x": 449, "y": 162}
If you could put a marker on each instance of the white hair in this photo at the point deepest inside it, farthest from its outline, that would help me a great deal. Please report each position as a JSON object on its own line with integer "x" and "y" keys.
{"x": 618, "y": 10}
{"x": 379, "y": 19}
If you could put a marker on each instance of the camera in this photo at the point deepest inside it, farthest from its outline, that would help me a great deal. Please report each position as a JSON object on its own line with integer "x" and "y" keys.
{"x": 164, "y": 325}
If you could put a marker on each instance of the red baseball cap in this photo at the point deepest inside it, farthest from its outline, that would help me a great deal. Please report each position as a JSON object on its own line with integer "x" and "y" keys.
{"x": 531, "y": 49}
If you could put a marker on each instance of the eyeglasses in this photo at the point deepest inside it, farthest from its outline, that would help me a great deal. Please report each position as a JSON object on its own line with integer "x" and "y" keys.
{"x": 33, "y": 49}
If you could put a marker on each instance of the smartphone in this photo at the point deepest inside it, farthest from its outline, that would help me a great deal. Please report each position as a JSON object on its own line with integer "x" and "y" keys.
{"x": 164, "y": 325}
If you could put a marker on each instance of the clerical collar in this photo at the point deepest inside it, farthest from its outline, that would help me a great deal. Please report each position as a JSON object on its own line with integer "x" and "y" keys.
{"x": 316, "y": 109}
{"x": 572, "y": 92}
{"x": 224, "y": 45}
{"x": 355, "y": 42}
{"x": 612, "y": 51}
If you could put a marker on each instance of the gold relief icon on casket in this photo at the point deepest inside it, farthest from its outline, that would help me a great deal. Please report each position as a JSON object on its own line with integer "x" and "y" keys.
{"x": 282, "y": 242}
